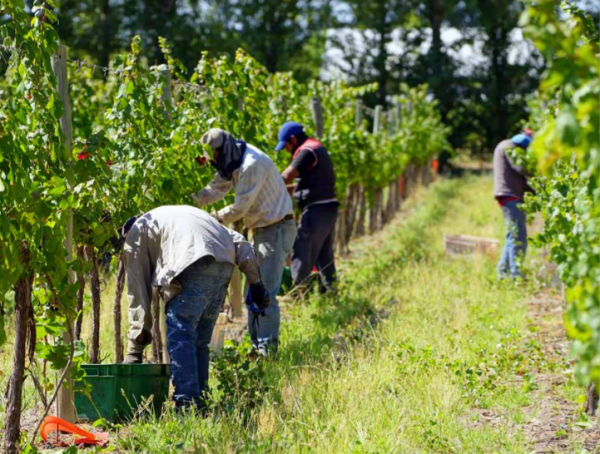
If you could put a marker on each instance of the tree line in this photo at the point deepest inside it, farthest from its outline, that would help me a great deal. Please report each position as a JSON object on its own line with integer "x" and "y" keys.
{"x": 470, "y": 52}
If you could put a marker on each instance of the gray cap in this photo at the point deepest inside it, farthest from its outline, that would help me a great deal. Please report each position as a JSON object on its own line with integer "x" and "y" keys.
{"x": 214, "y": 137}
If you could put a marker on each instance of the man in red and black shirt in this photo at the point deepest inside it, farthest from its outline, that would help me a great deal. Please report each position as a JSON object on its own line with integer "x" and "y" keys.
{"x": 314, "y": 193}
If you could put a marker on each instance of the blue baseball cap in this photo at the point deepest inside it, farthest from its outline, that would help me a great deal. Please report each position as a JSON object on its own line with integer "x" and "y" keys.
{"x": 289, "y": 129}
{"x": 521, "y": 140}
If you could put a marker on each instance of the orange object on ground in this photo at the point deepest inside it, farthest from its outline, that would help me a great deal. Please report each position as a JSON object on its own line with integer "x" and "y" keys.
{"x": 435, "y": 165}
{"x": 54, "y": 424}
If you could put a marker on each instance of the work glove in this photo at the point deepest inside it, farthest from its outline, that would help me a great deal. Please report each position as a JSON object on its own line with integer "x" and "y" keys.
{"x": 259, "y": 295}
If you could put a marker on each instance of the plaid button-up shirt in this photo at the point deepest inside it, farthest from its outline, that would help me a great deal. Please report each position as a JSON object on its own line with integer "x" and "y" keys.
{"x": 261, "y": 197}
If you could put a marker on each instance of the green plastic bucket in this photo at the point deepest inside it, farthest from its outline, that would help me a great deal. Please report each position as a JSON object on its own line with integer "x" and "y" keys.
{"x": 117, "y": 390}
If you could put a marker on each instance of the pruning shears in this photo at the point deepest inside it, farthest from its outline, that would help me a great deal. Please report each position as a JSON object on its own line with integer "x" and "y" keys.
{"x": 252, "y": 307}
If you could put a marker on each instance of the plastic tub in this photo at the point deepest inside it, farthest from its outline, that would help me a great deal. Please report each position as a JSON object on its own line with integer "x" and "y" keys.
{"x": 117, "y": 390}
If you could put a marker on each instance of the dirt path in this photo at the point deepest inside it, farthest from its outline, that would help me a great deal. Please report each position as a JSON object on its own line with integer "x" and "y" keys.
{"x": 555, "y": 424}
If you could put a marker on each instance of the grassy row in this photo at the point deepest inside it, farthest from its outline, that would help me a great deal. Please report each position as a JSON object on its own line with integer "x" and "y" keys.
{"x": 405, "y": 359}
{"x": 413, "y": 348}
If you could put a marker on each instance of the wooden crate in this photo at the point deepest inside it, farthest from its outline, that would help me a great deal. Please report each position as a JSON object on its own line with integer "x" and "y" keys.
{"x": 469, "y": 245}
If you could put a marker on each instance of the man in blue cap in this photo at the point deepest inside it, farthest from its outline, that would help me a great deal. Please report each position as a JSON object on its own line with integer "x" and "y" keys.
{"x": 315, "y": 195}
{"x": 510, "y": 186}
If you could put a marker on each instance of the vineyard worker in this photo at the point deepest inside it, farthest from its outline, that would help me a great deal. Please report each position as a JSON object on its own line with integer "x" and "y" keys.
{"x": 315, "y": 195}
{"x": 262, "y": 200}
{"x": 510, "y": 186}
{"x": 190, "y": 257}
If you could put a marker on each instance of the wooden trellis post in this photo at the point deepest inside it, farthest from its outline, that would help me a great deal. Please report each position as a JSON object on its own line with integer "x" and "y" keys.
{"x": 399, "y": 181}
{"x": 164, "y": 357}
{"x": 377, "y": 119}
{"x": 157, "y": 332}
{"x": 317, "y": 114}
{"x": 358, "y": 112}
{"x": 91, "y": 256}
{"x": 117, "y": 311}
{"x": 374, "y": 222}
{"x": 356, "y": 191}
{"x": 361, "y": 204}
{"x": 65, "y": 401}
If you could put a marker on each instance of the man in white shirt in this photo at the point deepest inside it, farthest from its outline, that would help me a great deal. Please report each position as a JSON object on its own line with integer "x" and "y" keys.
{"x": 262, "y": 200}
{"x": 190, "y": 257}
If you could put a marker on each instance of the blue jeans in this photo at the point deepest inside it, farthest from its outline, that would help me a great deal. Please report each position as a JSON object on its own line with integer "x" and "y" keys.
{"x": 191, "y": 318}
{"x": 516, "y": 240}
{"x": 272, "y": 245}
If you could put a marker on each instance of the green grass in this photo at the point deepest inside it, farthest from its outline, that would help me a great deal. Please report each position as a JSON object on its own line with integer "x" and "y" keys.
{"x": 444, "y": 345}
{"x": 413, "y": 349}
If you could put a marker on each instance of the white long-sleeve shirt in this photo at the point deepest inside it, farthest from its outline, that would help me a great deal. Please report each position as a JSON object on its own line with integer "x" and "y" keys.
{"x": 163, "y": 243}
{"x": 261, "y": 197}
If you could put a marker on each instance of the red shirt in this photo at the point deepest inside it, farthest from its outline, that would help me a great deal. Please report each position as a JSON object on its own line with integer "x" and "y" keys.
{"x": 503, "y": 200}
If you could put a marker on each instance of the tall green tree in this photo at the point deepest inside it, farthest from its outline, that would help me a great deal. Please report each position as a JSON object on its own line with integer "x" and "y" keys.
{"x": 366, "y": 39}
{"x": 283, "y": 35}
{"x": 90, "y": 28}
{"x": 498, "y": 18}
{"x": 485, "y": 102}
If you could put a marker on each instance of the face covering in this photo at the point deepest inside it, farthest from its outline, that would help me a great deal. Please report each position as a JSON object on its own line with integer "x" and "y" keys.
{"x": 230, "y": 156}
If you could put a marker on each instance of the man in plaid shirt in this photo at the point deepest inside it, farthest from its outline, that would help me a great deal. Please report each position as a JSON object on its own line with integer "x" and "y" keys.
{"x": 262, "y": 200}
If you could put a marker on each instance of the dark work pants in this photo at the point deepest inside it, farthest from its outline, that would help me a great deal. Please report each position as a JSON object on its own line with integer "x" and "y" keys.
{"x": 314, "y": 245}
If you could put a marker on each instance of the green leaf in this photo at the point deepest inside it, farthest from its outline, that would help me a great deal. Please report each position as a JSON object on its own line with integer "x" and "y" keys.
{"x": 130, "y": 87}
{"x": 567, "y": 127}
{"x": 50, "y": 105}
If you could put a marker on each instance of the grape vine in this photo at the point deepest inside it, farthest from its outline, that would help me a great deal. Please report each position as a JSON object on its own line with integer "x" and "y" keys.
{"x": 135, "y": 139}
{"x": 566, "y": 153}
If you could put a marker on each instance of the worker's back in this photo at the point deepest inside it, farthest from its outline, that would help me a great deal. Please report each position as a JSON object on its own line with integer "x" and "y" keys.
{"x": 508, "y": 179}
{"x": 316, "y": 174}
{"x": 175, "y": 236}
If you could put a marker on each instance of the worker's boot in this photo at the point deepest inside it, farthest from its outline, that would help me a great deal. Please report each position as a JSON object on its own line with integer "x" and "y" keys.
{"x": 135, "y": 353}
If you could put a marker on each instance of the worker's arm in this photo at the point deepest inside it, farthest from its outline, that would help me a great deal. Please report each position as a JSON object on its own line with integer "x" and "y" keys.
{"x": 139, "y": 285}
{"x": 214, "y": 191}
{"x": 290, "y": 174}
{"x": 245, "y": 258}
{"x": 250, "y": 182}
{"x": 303, "y": 160}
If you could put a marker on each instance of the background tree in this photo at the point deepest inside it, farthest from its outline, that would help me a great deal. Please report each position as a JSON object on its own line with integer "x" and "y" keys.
{"x": 286, "y": 35}
{"x": 365, "y": 41}
{"x": 482, "y": 92}
{"x": 509, "y": 82}
{"x": 283, "y": 35}
{"x": 465, "y": 50}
